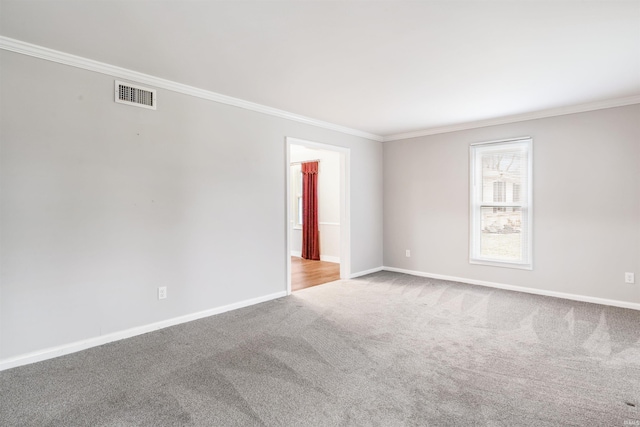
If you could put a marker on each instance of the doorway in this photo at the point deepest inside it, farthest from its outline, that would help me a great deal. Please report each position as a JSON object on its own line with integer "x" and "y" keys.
{"x": 333, "y": 213}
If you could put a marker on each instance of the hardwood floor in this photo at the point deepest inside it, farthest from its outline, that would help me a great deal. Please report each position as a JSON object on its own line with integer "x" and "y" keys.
{"x": 306, "y": 273}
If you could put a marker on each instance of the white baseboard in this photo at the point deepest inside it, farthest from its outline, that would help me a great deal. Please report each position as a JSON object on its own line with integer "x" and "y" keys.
{"x": 327, "y": 258}
{"x": 62, "y": 350}
{"x": 50, "y": 353}
{"x": 574, "y": 297}
{"x": 364, "y": 273}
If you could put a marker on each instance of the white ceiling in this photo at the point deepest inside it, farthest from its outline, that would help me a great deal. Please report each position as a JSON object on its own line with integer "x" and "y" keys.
{"x": 382, "y": 67}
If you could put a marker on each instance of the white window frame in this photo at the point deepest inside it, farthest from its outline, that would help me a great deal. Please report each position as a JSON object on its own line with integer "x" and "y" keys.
{"x": 476, "y": 203}
{"x": 296, "y": 175}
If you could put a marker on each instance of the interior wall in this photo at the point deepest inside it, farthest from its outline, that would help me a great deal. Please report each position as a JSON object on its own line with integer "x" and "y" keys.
{"x": 102, "y": 203}
{"x": 586, "y": 204}
{"x": 328, "y": 201}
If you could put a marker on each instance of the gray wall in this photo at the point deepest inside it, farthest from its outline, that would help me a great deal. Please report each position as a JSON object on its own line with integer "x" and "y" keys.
{"x": 586, "y": 198}
{"x": 102, "y": 203}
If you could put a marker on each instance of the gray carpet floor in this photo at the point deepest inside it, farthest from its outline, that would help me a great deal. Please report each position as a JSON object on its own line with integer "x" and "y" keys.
{"x": 386, "y": 349}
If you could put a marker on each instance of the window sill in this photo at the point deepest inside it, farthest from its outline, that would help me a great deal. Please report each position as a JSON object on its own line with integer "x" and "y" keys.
{"x": 492, "y": 263}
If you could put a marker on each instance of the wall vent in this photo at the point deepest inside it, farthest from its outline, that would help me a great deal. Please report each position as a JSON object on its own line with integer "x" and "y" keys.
{"x": 139, "y": 96}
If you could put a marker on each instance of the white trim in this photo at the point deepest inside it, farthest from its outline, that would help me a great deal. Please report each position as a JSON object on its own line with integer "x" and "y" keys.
{"x": 336, "y": 224}
{"x": 296, "y": 254}
{"x": 52, "y": 55}
{"x": 73, "y": 347}
{"x": 551, "y": 112}
{"x": 501, "y": 141}
{"x": 345, "y": 213}
{"x": 365, "y": 272}
{"x": 503, "y": 264}
{"x": 288, "y": 216}
{"x": 544, "y": 292}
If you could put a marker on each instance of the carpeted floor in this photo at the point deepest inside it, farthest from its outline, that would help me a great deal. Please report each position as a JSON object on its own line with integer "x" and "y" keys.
{"x": 386, "y": 349}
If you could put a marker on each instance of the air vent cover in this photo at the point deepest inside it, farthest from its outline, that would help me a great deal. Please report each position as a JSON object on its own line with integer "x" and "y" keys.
{"x": 139, "y": 96}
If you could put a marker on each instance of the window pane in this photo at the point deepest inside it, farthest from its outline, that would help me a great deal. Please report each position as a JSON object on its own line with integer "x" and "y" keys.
{"x": 501, "y": 234}
{"x": 516, "y": 192}
{"x": 499, "y": 191}
{"x": 499, "y": 194}
{"x": 501, "y": 170}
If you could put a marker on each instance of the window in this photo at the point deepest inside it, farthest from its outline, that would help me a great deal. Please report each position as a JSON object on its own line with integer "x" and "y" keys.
{"x": 296, "y": 190}
{"x": 501, "y": 203}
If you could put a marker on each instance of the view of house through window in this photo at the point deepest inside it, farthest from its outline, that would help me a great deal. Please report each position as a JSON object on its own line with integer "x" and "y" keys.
{"x": 501, "y": 203}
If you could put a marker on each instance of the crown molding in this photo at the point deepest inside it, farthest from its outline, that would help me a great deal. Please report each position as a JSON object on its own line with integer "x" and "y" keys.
{"x": 47, "y": 54}
{"x": 41, "y": 52}
{"x": 581, "y": 108}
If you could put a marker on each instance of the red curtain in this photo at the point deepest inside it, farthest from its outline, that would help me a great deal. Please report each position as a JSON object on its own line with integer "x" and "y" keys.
{"x": 310, "y": 239}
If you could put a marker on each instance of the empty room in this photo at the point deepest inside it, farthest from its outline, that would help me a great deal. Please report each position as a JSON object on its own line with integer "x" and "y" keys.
{"x": 461, "y": 179}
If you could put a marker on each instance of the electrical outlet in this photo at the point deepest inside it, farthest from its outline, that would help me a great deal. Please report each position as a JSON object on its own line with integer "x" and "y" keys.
{"x": 407, "y": 253}
{"x": 162, "y": 292}
{"x": 629, "y": 278}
